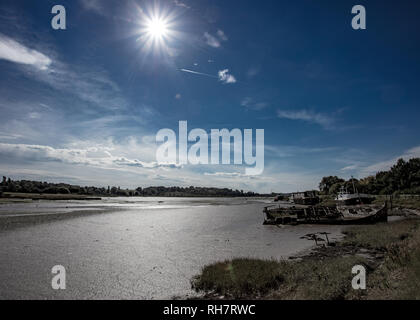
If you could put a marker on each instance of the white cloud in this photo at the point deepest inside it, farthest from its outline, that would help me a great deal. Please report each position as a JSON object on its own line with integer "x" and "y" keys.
{"x": 284, "y": 151}
{"x": 13, "y": 51}
{"x": 131, "y": 162}
{"x": 252, "y": 72}
{"x": 350, "y": 167}
{"x": 387, "y": 164}
{"x": 181, "y": 4}
{"x": 214, "y": 41}
{"x": 234, "y": 175}
{"x": 99, "y": 156}
{"x": 9, "y": 136}
{"x": 92, "y": 86}
{"x": 93, "y": 5}
{"x": 222, "y": 35}
{"x": 178, "y": 96}
{"x": 306, "y": 115}
{"x": 34, "y": 115}
{"x": 249, "y": 103}
{"x": 225, "y": 77}
{"x": 211, "y": 41}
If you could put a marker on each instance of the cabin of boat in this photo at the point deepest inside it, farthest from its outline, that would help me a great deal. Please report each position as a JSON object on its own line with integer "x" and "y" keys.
{"x": 304, "y": 198}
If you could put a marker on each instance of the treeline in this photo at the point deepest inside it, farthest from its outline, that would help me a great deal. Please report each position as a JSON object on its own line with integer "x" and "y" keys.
{"x": 27, "y": 186}
{"x": 402, "y": 178}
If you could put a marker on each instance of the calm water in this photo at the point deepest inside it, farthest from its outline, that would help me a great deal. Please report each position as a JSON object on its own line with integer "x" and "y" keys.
{"x": 142, "y": 248}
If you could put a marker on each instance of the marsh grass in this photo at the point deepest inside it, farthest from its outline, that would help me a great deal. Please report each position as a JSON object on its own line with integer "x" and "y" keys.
{"x": 253, "y": 278}
{"x": 399, "y": 276}
{"x": 396, "y": 276}
{"x": 241, "y": 277}
{"x": 379, "y": 236}
{"x": 401, "y": 201}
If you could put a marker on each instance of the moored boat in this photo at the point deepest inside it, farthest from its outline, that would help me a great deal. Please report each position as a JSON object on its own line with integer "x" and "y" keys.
{"x": 346, "y": 198}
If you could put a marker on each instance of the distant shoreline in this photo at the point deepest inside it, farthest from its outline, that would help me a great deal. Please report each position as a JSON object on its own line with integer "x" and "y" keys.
{"x": 50, "y": 196}
{"x": 9, "y": 186}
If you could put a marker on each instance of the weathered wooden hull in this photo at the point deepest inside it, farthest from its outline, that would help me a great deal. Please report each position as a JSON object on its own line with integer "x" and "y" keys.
{"x": 326, "y": 215}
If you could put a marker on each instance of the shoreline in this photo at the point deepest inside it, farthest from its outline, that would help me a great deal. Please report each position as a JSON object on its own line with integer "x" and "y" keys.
{"x": 323, "y": 272}
{"x": 9, "y": 197}
{"x": 10, "y": 222}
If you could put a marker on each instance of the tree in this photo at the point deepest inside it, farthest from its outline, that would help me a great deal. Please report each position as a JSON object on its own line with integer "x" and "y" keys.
{"x": 335, "y": 188}
{"x": 327, "y": 182}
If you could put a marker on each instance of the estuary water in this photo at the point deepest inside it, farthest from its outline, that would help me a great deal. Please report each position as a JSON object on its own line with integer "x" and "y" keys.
{"x": 134, "y": 248}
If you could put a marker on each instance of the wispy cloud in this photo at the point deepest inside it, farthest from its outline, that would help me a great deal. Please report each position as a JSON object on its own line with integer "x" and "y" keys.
{"x": 284, "y": 151}
{"x": 91, "y": 156}
{"x": 226, "y": 77}
{"x": 211, "y": 40}
{"x": 222, "y": 36}
{"x": 387, "y": 164}
{"x": 93, "y": 5}
{"x": 233, "y": 175}
{"x": 215, "y": 41}
{"x": 351, "y": 167}
{"x": 9, "y": 136}
{"x": 181, "y": 4}
{"x": 16, "y": 52}
{"x": 321, "y": 119}
{"x": 88, "y": 84}
{"x": 92, "y": 86}
{"x": 252, "y": 72}
{"x": 249, "y": 103}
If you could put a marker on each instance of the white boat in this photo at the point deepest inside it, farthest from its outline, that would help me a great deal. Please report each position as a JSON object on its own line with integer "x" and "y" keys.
{"x": 346, "y": 198}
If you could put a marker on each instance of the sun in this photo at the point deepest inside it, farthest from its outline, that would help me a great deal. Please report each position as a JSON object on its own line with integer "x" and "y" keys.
{"x": 157, "y": 28}
{"x": 157, "y": 31}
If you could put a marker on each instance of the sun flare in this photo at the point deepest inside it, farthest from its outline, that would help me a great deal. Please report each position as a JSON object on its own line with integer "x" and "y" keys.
{"x": 157, "y": 28}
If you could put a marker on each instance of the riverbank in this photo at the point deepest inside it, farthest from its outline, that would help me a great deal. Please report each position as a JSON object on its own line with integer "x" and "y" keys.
{"x": 390, "y": 253}
{"x": 18, "y": 196}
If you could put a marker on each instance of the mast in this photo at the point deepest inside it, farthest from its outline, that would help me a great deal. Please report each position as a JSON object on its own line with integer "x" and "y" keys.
{"x": 355, "y": 191}
{"x": 354, "y": 188}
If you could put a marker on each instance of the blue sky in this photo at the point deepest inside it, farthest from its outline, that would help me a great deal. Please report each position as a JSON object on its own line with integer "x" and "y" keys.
{"x": 83, "y": 105}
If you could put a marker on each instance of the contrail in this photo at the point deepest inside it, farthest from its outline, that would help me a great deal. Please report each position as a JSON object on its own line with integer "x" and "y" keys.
{"x": 199, "y": 73}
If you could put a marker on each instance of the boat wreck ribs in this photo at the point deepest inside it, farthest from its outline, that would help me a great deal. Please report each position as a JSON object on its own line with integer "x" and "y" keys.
{"x": 356, "y": 214}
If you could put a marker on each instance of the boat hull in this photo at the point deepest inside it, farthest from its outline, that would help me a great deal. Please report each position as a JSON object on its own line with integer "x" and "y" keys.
{"x": 342, "y": 215}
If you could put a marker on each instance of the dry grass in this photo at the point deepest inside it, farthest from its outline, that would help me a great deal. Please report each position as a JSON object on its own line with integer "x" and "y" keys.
{"x": 379, "y": 236}
{"x": 327, "y": 277}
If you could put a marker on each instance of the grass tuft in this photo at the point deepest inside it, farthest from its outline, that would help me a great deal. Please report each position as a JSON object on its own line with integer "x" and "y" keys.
{"x": 396, "y": 275}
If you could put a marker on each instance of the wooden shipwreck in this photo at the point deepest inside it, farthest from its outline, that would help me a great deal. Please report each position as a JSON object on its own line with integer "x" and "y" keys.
{"x": 356, "y": 214}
